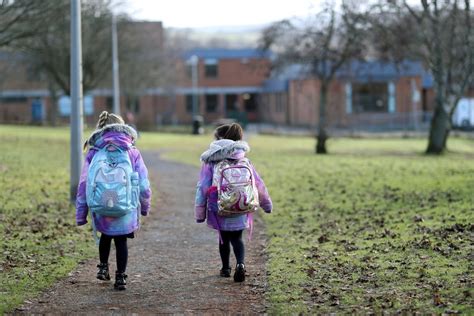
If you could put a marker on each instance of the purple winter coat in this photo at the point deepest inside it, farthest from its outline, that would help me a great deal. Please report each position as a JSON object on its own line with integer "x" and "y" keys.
{"x": 206, "y": 194}
{"x": 122, "y": 136}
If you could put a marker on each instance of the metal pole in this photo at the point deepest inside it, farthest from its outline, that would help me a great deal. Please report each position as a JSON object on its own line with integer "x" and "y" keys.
{"x": 194, "y": 74}
{"x": 115, "y": 67}
{"x": 76, "y": 97}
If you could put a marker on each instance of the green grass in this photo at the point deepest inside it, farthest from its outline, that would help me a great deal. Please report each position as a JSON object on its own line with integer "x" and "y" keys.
{"x": 373, "y": 227}
{"x": 40, "y": 241}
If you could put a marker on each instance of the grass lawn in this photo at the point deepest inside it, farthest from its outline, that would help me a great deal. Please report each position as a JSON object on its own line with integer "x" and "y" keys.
{"x": 40, "y": 241}
{"x": 374, "y": 226}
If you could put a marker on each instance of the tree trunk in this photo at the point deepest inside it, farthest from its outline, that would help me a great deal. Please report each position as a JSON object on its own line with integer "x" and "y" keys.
{"x": 439, "y": 131}
{"x": 322, "y": 136}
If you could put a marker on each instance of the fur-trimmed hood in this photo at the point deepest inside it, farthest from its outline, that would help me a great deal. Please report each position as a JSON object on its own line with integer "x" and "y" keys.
{"x": 119, "y": 134}
{"x": 225, "y": 149}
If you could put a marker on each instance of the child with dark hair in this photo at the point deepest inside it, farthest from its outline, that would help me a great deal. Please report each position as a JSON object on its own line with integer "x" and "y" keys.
{"x": 111, "y": 132}
{"x": 228, "y": 146}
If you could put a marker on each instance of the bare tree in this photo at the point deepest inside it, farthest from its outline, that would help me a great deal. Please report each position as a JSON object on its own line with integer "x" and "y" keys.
{"x": 443, "y": 36}
{"x": 49, "y": 50}
{"x": 324, "y": 43}
{"x": 20, "y": 19}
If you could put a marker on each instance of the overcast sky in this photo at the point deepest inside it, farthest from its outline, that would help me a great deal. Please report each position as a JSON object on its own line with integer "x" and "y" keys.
{"x": 211, "y": 13}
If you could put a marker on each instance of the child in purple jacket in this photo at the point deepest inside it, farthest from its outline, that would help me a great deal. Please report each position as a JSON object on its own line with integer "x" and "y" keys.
{"x": 228, "y": 145}
{"x": 111, "y": 129}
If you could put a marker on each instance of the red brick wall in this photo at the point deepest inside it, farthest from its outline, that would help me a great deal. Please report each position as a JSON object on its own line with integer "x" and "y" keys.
{"x": 231, "y": 72}
{"x": 403, "y": 95}
{"x": 15, "y": 112}
{"x": 269, "y": 111}
{"x": 304, "y": 102}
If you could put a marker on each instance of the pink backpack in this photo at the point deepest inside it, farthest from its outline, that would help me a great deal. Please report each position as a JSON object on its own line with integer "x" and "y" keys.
{"x": 236, "y": 191}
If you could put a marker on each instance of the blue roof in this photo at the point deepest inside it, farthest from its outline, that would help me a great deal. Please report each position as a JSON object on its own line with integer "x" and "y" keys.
{"x": 278, "y": 81}
{"x": 366, "y": 71}
{"x": 275, "y": 85}
{"x": 358, "y": 71}
{"x": 224, "y": 53}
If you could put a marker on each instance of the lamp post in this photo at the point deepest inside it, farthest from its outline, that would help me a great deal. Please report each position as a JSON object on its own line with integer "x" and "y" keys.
{"x": 194, "y": 62}
{"x": 76, "y": 97}
{"x": 115, "y": 67}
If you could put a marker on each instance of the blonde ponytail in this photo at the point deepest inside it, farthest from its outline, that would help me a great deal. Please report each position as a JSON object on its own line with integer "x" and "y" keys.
{"x": 106, "y": 118}
{"x": 103, "y": 117}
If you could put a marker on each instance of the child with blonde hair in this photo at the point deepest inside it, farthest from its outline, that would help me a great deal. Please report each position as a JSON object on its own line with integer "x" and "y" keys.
{"x": 114, "y": 187}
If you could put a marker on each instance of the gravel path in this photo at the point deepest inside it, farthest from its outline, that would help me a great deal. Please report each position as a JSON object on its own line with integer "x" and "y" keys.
{"x": 173, "y": 263}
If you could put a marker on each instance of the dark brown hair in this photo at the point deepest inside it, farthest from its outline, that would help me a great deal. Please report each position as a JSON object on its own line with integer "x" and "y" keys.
{"x": 229, "y": 131}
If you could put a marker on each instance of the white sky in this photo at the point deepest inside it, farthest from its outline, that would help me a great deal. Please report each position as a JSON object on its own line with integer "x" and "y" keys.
{"x": 211, "y": 13}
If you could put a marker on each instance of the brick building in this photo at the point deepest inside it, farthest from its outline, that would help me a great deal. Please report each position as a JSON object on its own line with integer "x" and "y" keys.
{"x": 362, "y": 94}
{"x": 228, "y": 85}
{"x": 236, "y": 83}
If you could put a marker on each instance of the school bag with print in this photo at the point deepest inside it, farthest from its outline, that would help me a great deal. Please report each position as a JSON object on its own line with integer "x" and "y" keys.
{"x": 112, "y": 185}
{"x": 236, "y": 191}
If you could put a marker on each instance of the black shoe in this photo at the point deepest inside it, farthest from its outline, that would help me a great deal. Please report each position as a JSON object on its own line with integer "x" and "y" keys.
{"x": 239, "y": 275}
{"x": 103, "y": 273}
{"x": 120, "y": 281}
{"x": 225, "y": 273}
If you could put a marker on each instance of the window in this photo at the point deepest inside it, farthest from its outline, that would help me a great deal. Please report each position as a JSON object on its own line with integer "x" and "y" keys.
{"x": 189, "y": 103}
{"x": 211, "y": 103}
{"x": 369, "y": 97}
{"x": 13, "y": 99}
{"x": 211, "y": 70}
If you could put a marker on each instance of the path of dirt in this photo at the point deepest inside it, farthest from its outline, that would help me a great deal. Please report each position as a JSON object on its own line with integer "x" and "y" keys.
{"x": 173, "y": 264}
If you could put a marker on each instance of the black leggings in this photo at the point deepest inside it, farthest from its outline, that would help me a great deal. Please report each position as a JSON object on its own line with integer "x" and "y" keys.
{"x": 120, "y": 249}
{"x": 234, "y": 238}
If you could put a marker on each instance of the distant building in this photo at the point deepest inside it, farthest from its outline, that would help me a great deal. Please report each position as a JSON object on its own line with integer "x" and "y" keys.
{"x": 373, "y": 95}
{"x": 235, "y": 84}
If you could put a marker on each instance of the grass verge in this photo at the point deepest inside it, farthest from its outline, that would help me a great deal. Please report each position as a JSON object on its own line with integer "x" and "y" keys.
{"x": 40, "y": 240}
